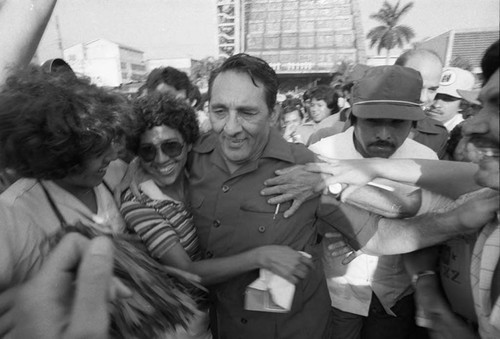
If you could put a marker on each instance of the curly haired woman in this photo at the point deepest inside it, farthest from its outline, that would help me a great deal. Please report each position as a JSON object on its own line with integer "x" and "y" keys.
{"x": 57, "y": 132}
{"x": 153, "y": 202}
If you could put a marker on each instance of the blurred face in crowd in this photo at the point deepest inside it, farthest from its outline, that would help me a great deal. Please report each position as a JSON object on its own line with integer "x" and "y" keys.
{"x": 166, "y": 88}
{"x": 291, "y": 119}
{"x": 444, "y": 108}
{"x": 430, "y": 68}
{"x": 94, "y": 169}
{"x": 319, "y": 110}
{"x": 240, "y": 116}
{"x": 380, "y": 137}
{"x": 483, "y": 132}
{"x": 163, "y": 154}
{"x": 307, "y": 109}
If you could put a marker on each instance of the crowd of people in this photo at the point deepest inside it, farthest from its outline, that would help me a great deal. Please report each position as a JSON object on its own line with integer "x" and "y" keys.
{"x": 367, "y": 210}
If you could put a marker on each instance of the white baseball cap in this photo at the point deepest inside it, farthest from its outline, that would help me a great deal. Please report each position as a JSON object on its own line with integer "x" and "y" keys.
{"x": 454, "y": 78}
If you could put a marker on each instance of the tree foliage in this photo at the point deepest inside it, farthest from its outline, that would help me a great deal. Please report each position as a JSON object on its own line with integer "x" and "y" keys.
{"x": 390, "y": 34}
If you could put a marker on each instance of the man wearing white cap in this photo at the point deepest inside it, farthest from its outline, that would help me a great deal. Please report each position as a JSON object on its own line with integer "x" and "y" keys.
{"x": 447, "y": 102}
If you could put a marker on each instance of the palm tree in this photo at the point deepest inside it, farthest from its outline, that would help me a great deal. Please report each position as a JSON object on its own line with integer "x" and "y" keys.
{"x": 390, "y": 34}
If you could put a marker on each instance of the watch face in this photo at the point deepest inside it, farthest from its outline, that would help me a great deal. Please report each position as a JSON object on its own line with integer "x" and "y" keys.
{"x": 336, "y": 189}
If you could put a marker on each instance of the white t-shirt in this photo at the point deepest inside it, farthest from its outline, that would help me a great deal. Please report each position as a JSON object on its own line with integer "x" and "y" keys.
{"x": 351, "y": 285}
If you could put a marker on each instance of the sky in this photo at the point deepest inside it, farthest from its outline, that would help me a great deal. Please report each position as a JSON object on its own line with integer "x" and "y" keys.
{"x": 187, "y": 28}
{"x": 432, "y": 17}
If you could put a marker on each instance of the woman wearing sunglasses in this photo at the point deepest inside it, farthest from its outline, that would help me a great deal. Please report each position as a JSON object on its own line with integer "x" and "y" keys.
{"x": 153, "y": 202}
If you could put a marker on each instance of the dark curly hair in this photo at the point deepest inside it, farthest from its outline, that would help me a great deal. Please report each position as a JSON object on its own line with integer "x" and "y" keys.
{"x": 328, "y": 95}
{"x": 51, "y": 123}
{"x": 156, "y": 109}
{"x": 256, "y": 68}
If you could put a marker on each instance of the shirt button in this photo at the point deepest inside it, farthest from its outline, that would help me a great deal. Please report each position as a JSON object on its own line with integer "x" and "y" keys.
{"x": 262, "y": 229}
{"x": 216, "y": 223}
{"x": 244, "y": 321}
{"x": 209, "y": 254}
{"x": 225, "y": 188}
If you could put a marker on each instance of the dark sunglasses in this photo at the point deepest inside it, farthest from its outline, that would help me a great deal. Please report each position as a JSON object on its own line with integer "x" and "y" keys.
{"x": 171, "y": 148}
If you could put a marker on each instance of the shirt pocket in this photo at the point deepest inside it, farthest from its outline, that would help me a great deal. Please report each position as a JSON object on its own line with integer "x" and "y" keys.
{"x": 261, "y": 222}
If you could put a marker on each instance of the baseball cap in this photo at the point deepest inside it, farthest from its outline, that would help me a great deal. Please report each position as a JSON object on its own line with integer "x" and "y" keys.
{"x": 453, "y": 79}
{"x": 388, "y": 92}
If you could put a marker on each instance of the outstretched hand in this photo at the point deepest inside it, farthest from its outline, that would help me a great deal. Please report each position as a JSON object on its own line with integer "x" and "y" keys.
{"x": 285, "y": 262}
{"x": 476, "y": 213}
{"x": 294, "y": 184}
{"x": 69, "y": 297}
{"x": 356, "y": 172}
{"x": 337, "y": 247}
{"x": 434, "y": 312}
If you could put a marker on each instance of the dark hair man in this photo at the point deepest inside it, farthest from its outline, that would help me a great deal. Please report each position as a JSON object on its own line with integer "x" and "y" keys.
{"x": 169, "y": 80}
{"x": 227, "y": 171}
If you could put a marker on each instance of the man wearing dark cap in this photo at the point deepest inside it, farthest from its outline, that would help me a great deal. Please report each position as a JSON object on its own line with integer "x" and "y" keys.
{"x": 372, "y": 296}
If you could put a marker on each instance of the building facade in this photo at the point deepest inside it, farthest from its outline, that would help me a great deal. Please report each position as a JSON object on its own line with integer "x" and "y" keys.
{"x": 467, "y": 44}
{"x": 106, "y": 63}
{"x": 296, "y": 37}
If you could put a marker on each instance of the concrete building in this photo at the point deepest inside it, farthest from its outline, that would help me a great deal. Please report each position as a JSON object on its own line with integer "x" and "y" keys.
{"x": 303, "y": 40}
{"x": 467, "y": 44}
{"x": 106, "y": 63}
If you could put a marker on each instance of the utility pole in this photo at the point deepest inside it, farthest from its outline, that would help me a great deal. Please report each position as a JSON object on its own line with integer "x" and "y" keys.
{"x": 59, "y": 37}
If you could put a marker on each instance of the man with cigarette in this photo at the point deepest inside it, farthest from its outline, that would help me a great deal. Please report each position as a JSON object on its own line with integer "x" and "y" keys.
{"x": 372, "y": 296}
{"x": 227, "y": 169}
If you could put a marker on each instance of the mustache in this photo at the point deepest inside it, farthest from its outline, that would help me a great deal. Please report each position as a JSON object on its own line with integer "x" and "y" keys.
{"x": 383, "y": 144}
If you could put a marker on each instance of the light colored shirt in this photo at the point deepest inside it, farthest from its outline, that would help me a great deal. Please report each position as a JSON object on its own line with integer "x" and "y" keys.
{"x": 27, "y": 219}
{"x": 351, "y": 285}
{"x": 306, "y": 129}
{"x": 453, "y": 122}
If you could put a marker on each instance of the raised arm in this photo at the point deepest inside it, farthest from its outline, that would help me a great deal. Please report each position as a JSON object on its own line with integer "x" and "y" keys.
{"x": 22, "y": 23}
{"x": 301, "y": 182}
{"x": 369, "y": 233}
{"x": 434, "y": 175}
{"x": 395, "y": 236}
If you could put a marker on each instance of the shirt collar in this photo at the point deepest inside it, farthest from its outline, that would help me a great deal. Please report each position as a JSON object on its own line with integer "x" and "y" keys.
{"x": 429, "y": 126}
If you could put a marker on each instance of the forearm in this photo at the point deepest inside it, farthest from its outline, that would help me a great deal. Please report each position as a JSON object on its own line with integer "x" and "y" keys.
{"x": 434, "y": 175}
{"x": 22, "y": 23}
{"x": 212, "y": 271}
{"x": 394, "y": 236}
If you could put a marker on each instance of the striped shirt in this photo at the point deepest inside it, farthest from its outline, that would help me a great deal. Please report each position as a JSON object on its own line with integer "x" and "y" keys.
{"x": 160, "y": 224}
